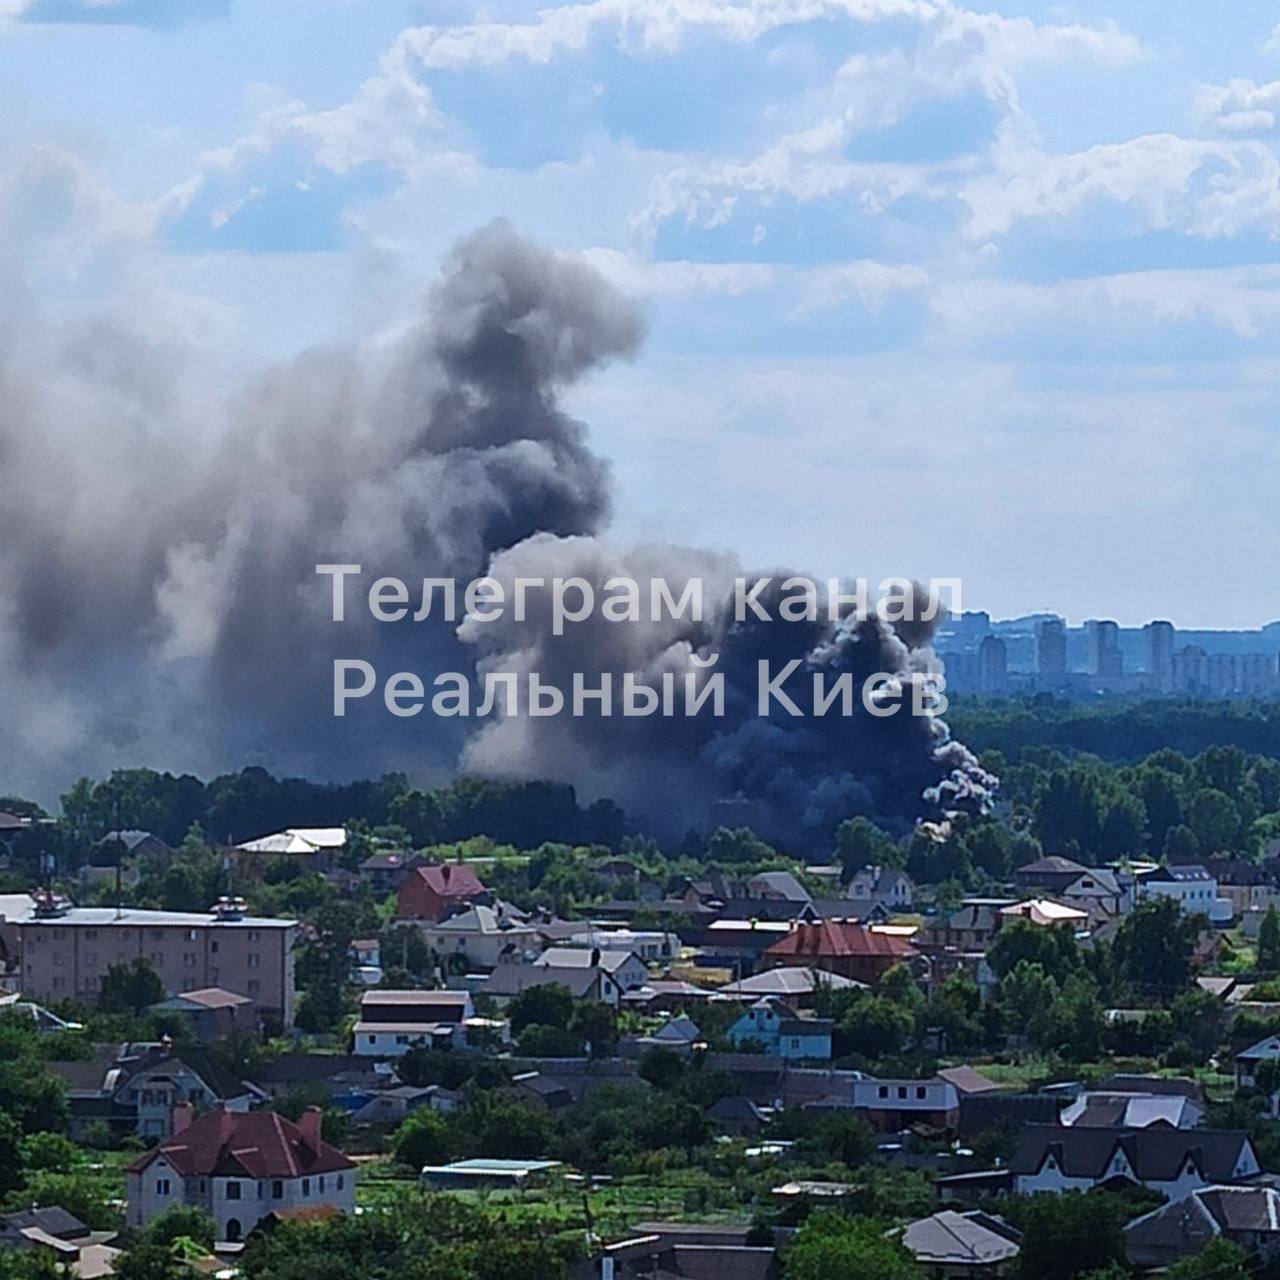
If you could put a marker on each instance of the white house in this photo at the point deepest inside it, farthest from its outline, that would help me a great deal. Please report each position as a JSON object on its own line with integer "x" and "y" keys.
{"x": 1193, "y": 888}
{"x": 652, "y": 945}
{"x": 1174, "y": 1162}
{"x": 625, "y": 967}
{"x": 393, "y": 1022}
{"x": 484, "y": 937}
{"x": 240, "y": 1168}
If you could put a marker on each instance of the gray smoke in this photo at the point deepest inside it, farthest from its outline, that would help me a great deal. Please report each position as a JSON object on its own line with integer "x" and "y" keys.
{"x": 158, "y": 602}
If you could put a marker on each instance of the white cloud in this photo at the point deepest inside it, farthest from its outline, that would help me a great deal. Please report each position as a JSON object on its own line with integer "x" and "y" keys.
{"x": 1162, "y": 181}
{"x": 1244, "y": 301}
{"x": 1239, "y": 106}
{"x": 664, "y": 25}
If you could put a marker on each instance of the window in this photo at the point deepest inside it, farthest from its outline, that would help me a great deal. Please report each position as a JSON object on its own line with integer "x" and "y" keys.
{"x": 277, "y": 1190}
{"x": 254, "y": 987}
{"x": 306, "y": 1186}
{"x": 902, "y": 1091}
{"x": 920, "y": 1091}
{"x": 162, "y": 1186}
{"x": 883, "y": 1091}
{"x": 342, "y": 1182}
{"x": 233, "y": 1190}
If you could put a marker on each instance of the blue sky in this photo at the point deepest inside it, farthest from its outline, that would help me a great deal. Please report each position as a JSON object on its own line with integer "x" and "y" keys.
{"x": 987, "y": 293}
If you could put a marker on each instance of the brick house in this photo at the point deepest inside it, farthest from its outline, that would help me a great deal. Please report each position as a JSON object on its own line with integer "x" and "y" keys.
{"x": 840, "y": 946}
{"x": 435, "y": 892}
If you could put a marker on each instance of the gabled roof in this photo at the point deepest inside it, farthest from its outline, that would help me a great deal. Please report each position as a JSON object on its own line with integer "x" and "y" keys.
{"x": 960, "y": 1239}
{"x": 830, "y": 939}
{"x": 1267, "y": 1050}
{"x": 246, "y": 1144}
{"x": 585, "y": 958}
{"x": 1153, "y": 1154}
{"x": 680, "y": 1030}
{"x": 782, "y": 883}
{"x": 1190, "y": 873}
{"x": 1051, "y": 865}
{"x": 512, "y": 979}
{"x": 1102, "y": 1110}
{"x": 301, "y": 840}
{"x": 790, "y": 980}
{"x": 967, "y": 1081}
{"x": 450, "y": 880}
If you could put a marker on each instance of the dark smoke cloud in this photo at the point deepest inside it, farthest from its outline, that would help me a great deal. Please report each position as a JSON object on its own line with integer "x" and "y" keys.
{"x": 158, "y": 602}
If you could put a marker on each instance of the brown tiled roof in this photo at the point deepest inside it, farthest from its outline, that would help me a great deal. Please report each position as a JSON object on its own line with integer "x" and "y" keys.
{"x": 831, "y": 938}
{"x": 250, "y": 1144}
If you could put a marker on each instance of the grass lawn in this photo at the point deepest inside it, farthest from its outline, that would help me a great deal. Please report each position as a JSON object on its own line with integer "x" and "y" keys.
{"x": 614, "y": 1208}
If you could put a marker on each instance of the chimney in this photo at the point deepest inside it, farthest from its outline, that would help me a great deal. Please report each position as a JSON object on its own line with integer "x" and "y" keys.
{"x": 309, "y": 1126}
{"x": 595, "y": 957}
{"x": 445, "y": 871}
{"x": 181, "y": 1117}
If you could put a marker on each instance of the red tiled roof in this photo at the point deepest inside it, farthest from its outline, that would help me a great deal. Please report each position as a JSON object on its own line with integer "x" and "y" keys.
{"x": 451, "y": 880}
{"x": 826, "y": 939}
{"x": 250, "y": 1144}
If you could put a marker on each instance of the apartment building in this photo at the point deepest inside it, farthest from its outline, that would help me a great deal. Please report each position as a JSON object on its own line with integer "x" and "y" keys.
{"x": 66, "y": 951}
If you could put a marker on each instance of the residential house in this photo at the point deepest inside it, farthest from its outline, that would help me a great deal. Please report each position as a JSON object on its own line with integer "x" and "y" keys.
{"x": 962, "y": 1246}
{"x": 393, "y": 1022}
{"x": 480, "y": 937}
{"x": 66, "y": 951}
{"x": 680, "y": 1251}
{"x": 1174, "y": 1162}
{"x": 1190, "y": 886}
{"x": 212, "y": 1013}
{"x": 1046, "y": 913}
{"x": 435, "y": 892}
{"x": 737, "y": 1117}
{"x": 798, "y": 986}
{"x": 391, "y": 1106}
{"x": 1096, "y": 891}
{"x": 779, "y": 886}
{"x": 509, "y": 980}
{"x": 239, "y": 1168}
{"x": 386, "y": 870}
{"x": 1099, "y": 1109}
{"x": 889, "y": 1106}
{"x": 349, "y": 1079}
{"x": 75, "y": 1249}
{"x": 133, "y": 1088}
{"x": 1247, "y": 1216}
{"x": 838, "y": 946}
{"x": 888, "y": 886}
{"x": 1248, "y": 1075}
{"x": 317, "y": 848}
{"x": 780, "y": 1030}
{"x": 1245, "y": 884}
{"x": 970, "y": 928}
{"x": 366, "y": 961}
{"x": 625, "y": 967}
{"x": 653, "y": 946}
{"x": 116, "y": 846}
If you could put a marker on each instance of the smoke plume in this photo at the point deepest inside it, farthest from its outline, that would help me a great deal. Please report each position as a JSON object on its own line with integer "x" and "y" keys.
{"x": 158, "y": 601}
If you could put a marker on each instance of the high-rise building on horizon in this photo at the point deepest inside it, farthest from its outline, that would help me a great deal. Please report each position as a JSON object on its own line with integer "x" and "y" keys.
{"x": 1160, "y": 637}
{"x": 1051, "y": 647}
{"x": 993, "y": 665}
{"x": 1105, "y": 658}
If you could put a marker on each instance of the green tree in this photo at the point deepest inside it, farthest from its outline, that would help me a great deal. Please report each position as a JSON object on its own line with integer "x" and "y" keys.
{"x": 594, "y": 1022}
{"x": 10, "y": 1154}
{"x": 181, "y": 1222}
{"x": 1065, "y": 1235}
{"x": 1154, "y": 946}
{"x": 49, "y": 1151}
{"x": 860, "y": 843}
{"x": 548, "y": 1005}
{"x": 833, "y": 1247}
{"x": 131, "y": 987}
{"x": 1269, "y": 941}
{"x": 1219, "y": 1260}
{"x": 1027, "y": 992}
{"x": 422, "y": 1139}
